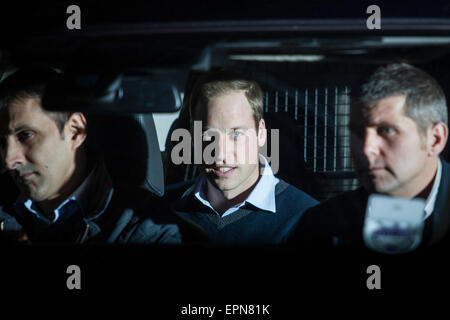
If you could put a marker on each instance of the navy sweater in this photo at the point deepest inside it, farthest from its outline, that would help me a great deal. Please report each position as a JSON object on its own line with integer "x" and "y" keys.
{"x": 249, "y": 225}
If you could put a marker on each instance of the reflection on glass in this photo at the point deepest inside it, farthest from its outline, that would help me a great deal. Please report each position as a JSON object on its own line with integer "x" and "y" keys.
{"x": 393, "y": 225}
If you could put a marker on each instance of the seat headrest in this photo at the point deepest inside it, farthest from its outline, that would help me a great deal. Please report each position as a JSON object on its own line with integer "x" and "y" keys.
{"x": 130, "y": 148}
{"x": 9, "y": 189}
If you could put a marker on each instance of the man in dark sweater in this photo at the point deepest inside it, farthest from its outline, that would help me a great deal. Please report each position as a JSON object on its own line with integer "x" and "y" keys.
{"x": 398, "y": 126}
{"x": 66, "y": 196}
{"x": 237, "y": 200}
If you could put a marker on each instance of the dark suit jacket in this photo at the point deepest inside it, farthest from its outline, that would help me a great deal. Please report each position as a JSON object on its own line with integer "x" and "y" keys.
{"x": 112, "y": 214}
{"x": 339, "y": 221}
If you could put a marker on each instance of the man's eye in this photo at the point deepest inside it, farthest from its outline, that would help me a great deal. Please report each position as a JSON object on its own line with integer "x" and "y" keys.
{"x": 237, "y": 133}
{"x": 25, "y": 135}
{"x": 386, "y": 130}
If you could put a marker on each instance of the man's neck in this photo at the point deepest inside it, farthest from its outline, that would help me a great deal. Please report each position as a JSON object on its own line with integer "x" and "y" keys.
{"x": 421, "y": 187}
{"x": 220, "y": 202}
{"x": 47, "y": 207}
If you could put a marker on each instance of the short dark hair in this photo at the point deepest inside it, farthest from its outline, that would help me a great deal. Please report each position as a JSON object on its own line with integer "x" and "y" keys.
{"x": 425, "y": 100}
{"x": 219, "y": 82}
{"x": 30, "y": 82}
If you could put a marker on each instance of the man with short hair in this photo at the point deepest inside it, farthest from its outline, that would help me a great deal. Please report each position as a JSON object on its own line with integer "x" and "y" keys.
{"x": 66, "y": 196}
{"x": 398, "y": 128}
{"x": 237, "y": 199}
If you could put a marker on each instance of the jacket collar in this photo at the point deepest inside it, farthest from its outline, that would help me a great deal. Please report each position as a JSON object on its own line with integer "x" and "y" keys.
{"x": 90, "y": 196}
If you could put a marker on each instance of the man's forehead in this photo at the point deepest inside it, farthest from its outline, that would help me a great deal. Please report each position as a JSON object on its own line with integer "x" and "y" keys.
{"x": 225, "y": 129}
{"x": 386, "y": 109}
{"x": 230, "y": 103}
{"x": 230, "y": 98}
{"x": 227, "y": 98}
{"x": 24, "y": 106}
{"x": 20, "y": 113}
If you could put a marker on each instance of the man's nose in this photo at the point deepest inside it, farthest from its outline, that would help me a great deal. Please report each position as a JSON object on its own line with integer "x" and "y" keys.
{"x": 14, "y": 155}
{"x": 224, "y": 149}
{"x": 221, "y": 149}
{"x": 371, "y": 143}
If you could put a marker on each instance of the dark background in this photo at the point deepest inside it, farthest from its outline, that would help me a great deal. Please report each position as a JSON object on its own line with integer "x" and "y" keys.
{"x": 155, "y": 282}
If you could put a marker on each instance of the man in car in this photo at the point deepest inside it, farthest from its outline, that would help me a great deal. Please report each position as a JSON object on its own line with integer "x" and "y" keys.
{"x": 398, "y": 127}
{"x": 66, "y": 195}
{"x": 237, "y": 199}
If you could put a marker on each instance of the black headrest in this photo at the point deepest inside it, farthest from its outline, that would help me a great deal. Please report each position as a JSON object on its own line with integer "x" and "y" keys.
{"x": 130, "y": 148}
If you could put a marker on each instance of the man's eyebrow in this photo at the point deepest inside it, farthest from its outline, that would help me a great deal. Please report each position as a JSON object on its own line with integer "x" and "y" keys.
{"x": 20, "y": 128}
{"x": 207, "y": 128}
{"x": 358, "y": 125}
{"x": 382, "y": 124}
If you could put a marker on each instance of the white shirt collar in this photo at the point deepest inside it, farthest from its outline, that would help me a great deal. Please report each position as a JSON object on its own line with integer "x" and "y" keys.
{"x": 262, "y": 196}
{"x": 30, "y": 205}
{"x": 429, "y": 203}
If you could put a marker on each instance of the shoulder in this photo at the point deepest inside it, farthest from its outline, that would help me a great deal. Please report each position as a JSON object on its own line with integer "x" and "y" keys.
{"x": 11, "y": 231}
{"x": 180, "y": 196}
{"x": 343, "y": 202}
{"x": 132, "y": 206}
{"x": 179, "y": 190}
{"x": 284, "y": 190}
{"x": 445, "y": 167}
{"x": 336, "y": 219}
{"x": 141, "y": 216}
{"x": 444, "y": 185}
{"x": 151, "y": 219}
{"x": 339, "y": 212}
{"x": 135, "y": 196}
{"x": 141, "y": 202}
{"x": 8, "y": 220}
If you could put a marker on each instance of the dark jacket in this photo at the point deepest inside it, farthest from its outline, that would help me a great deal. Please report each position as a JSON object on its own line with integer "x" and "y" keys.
{"x": 117, "y": 215}
{"x": 339, "y": 221}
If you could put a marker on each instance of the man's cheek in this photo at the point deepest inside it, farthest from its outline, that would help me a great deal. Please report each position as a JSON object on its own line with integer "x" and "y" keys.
{"x": 247, "y": 151}
{"x": 241, "y": 152}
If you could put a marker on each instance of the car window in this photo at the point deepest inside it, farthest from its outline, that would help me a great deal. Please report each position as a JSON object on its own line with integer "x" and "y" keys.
{"x": 307, "y": 60}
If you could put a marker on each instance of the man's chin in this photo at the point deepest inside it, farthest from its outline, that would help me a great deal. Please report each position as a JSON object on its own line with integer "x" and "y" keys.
{"x": 373, "y": 184}
{"x": 222, "y": 185}
{"x": 33, "y": 194}
{"x": 380, "y": 188}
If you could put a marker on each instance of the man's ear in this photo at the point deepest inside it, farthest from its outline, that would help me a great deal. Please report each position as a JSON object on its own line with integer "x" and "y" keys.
{"x": 262, "y": 133}
{"x": 76, "y": 129}
{"x": 437, "y": 138}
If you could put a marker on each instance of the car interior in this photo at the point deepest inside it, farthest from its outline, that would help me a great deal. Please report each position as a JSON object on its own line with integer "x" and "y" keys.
{"x": 134, "y": 69}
